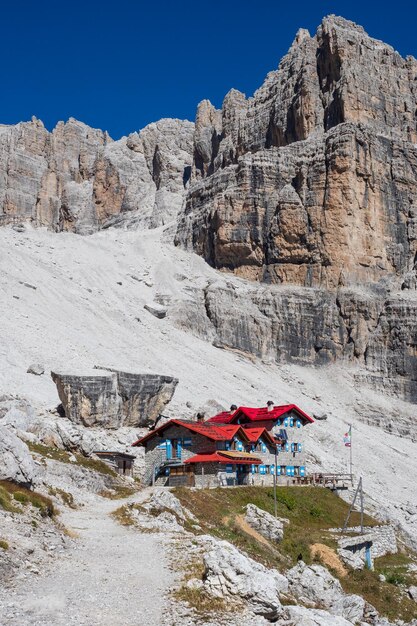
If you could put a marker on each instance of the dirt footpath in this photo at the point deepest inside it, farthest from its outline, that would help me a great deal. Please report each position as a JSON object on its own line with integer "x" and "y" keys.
{"x": 114, "y": 576}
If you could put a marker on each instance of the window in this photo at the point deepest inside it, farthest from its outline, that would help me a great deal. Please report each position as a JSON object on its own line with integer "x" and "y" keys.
{"x": 283, "y": 470}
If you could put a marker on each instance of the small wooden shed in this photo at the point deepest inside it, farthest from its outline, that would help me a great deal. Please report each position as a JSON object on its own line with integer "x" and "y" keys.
{"x": 120, "y": 462}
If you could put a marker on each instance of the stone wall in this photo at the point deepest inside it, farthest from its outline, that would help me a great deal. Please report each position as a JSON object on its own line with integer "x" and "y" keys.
{"x": 382, "y": 538}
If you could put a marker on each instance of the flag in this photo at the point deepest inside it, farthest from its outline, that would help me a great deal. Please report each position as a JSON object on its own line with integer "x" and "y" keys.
{"x": 347, "y": 439}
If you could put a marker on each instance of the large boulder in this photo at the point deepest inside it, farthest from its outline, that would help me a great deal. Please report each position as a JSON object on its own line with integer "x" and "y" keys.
{"x": 161, "y": 501}
{"x": 315, "y": 585}
{"x": 270, "y": 527}
{"x": 228, "y": 572}
{"x": 16, "y": 463}
{"x": 113, "y": 398}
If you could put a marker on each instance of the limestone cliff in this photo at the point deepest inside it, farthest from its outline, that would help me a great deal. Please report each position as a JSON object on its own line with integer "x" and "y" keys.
{"x": 78, "y": 179}
{"x": 313, "y": 180}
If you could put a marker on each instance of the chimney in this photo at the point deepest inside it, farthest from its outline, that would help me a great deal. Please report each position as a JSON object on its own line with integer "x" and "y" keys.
{"x": 270, "y": 405}
{"x": 200, "y": 417}
{"x": 233, "y": 408}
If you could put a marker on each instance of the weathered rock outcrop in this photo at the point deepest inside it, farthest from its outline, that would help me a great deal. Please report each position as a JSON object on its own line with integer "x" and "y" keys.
{"x": 228, "y": 572}
{"x": 112, "y": 398}
{"x": 314, "y": 584}
{"x": 372, "y": 329}
{"x": 270, "y": 527}
{"x": 312, "y": 180}
{"x": 78, "y": 179}
{"x": 16, "y": 462}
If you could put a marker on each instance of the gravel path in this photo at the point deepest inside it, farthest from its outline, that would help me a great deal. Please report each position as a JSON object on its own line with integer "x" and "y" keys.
{"x": 113, "y": 576}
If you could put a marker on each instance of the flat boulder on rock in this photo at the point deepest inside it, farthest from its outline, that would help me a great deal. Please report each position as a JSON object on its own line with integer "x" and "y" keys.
{"x": 314, "y": 584}
{"x": 228, "y": 572}
{"x": 16, "y": 463}
{"x": 270, "y": 527}
{"x": 113, "y": 398}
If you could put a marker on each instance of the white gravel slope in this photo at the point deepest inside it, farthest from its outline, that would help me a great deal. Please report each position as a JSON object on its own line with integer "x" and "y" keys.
{"x": 79, "y": 315}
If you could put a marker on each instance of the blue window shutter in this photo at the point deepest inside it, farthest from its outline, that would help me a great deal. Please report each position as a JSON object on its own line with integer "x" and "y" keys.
{"x": 278, "y": 470}
{"x": 299, "y": 447}
{"x": 292, "y": 447}
{"x": 298, "y": 424}
{"x": 263, "y": 447}
{"x": 286, "y": 422}
{"x": 278, "y": 422}
{"x": 227, "y": 445}
{"x": 179, "y": 449}
{"x": 302, "y": 471}
{"x": 291, "y": 422}
{"x": 272, "y": 469}
{"x": 169, "y": 450}
{"x": 287, "y": 447}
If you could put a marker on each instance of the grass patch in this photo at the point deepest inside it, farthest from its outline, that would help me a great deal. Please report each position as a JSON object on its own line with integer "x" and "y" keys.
{"x": 21, "y": 497}
{"x": 387, "y": 597}
{"x": 4, "y": 545}
{"x": 312, "y": 512}
{"x": 49, "y": 452}
{"x": 201, "y": 601}
{"x": 123, "y": 516}
{"x": 11, "y": 492}
{"x": 64, "y": 496}
{"x": 118, "y": 492}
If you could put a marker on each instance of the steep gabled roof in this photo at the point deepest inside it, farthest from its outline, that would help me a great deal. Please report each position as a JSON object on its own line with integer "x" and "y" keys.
{"x": 215, "y": 432}
{"x": 255, "y": 414}
{"x": 254, "y": 433}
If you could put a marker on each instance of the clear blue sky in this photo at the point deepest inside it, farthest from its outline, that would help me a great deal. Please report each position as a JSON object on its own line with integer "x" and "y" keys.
{"x": 120, "y": 65}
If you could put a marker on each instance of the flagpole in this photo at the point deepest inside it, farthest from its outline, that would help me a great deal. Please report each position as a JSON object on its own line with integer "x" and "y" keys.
{"x": 351, "y": 464}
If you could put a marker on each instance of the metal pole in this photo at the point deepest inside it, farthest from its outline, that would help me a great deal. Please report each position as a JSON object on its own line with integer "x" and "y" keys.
{"x": 351, "y": 506}
{"x": 351, "y": 464}
{"x": 275, "y": 481}
{"x": 361, "y": 506}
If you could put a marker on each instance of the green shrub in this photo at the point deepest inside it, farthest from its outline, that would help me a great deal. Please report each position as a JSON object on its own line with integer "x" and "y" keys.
{"x": 286, "y": 499}
{"x": 316, "y": 512}
{"x": 4, "y": 545}
{"x": 395, "y": 578}
{"x": 21, "y": 497}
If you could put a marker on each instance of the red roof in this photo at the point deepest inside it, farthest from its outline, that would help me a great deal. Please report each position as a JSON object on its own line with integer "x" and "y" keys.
{"x": 254, "y": 433}
{"x": 221, "y": 432}
{"x": 222, "y": 418}
{"x": 216, "y": 457}
{"x": 255, "y": 414}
